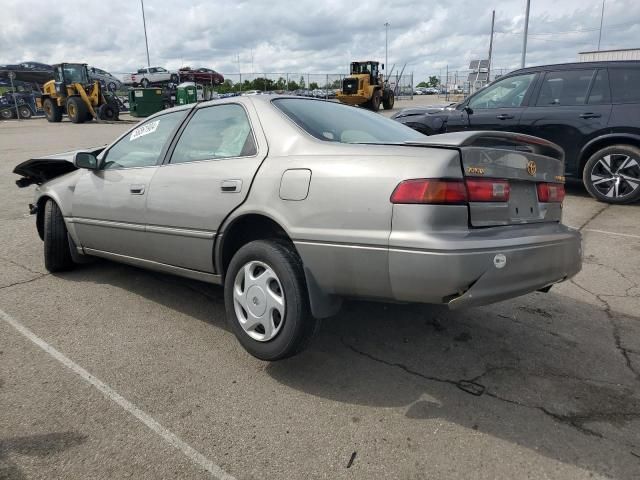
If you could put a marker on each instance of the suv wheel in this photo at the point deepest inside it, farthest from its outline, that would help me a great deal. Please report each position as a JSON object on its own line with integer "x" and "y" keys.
{"x": 612, "y": 174}
{"x": 266, "y": 300}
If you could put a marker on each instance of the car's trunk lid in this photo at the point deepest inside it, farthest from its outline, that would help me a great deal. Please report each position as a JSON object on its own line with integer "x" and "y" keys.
{"x": 523, "y": 160}
{"x": 42, "y": 169}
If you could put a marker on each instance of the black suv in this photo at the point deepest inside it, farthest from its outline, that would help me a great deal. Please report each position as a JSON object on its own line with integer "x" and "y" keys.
{"x": 590, "y": 109}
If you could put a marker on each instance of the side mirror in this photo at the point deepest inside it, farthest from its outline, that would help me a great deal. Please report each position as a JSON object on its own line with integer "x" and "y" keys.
{"x": 383, "y": 66}
{"x": 85, "y": 160}
{"x": 468, "y": 109}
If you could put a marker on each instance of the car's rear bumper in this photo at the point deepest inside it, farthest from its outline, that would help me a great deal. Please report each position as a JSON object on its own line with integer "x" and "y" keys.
{"x": 464, "y": 277}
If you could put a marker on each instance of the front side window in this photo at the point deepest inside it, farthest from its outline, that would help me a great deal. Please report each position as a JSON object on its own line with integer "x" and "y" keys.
{"x": 143, "y": 145}
{"x": 222, "y": 131}
{"x": 625, "y": 85}
{"x": 505, "y": 93}
{"x": 335, "y": 122}
{"x": 569, "y": 87}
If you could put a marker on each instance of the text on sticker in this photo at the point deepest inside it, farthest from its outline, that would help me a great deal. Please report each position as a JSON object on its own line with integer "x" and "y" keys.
{"x": 144, "y": 130}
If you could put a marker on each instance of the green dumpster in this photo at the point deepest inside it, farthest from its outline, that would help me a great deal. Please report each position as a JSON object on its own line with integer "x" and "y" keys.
{"x": 186, "y": 93}
{"x": 145, "y": 101}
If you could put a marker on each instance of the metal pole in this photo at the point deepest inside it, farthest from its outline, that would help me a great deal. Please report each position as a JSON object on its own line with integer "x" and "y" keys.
{"x": 15, "y": 98}
{"x": 386, "y": 46}
{"x": 601, "y": 20}
{"x": 447, "y": 85}
{"x": 493, "y": 21}
{"x": 144, "y": 24}
{"x": 526, "y": 32}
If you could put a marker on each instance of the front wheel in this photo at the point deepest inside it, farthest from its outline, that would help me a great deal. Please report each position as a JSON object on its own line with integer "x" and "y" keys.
{"x": 77, "y": 109}
{"x": 612, "y": 175}
{"x": 389, "y": 100}
{"x": 144, "y": 83}
{"x": 266, "y": 300}
{"x": 24, "y": 111}
{"x": 57, "y": 253}
{"x": 51, "y": 110}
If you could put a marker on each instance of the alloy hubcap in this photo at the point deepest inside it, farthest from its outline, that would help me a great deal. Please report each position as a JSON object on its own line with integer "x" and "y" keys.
{"x": 258, "y": 301}
{"x": 616, "y": 175}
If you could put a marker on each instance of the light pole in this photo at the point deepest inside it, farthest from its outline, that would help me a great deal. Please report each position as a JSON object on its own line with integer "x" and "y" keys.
{"x": 526, "y": 32}
{"x": 386, "y": 46}
{"x": 144, "y": 24}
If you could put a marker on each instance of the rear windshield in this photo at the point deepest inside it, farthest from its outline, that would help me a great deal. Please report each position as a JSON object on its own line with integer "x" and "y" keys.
{"x": 334, "y": 122}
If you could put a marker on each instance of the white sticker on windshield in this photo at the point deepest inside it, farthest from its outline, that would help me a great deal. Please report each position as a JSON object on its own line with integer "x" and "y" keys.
{"x": 144, "y": 130}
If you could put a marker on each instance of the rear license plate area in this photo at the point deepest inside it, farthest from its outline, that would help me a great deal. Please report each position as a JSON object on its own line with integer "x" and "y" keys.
{"x": 523, "y": 202}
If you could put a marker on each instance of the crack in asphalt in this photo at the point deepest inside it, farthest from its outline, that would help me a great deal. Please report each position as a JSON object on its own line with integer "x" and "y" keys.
{"x": 24, "y": 267}
{"x": 575, "y": 421}
{"x": 593, "y": 217}
{"x": 42, "y": 275}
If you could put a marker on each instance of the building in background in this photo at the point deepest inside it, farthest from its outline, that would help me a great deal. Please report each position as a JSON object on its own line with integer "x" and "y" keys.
{"x": 622, "y": 54}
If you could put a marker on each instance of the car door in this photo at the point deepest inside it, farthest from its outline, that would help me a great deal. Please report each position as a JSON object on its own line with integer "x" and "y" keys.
{"x": 207, "y": 174}
{"x": 497, "y": 107}
{"x": 109, "y": 203}
{"x": 571, "y": 107}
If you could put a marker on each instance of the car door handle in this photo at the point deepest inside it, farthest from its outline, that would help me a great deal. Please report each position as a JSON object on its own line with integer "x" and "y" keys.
{"x": 590, "y": 115}
{"x": 231, "y": 186}
{"x": 136, "y": 189}
{"x": 504, "y": 116}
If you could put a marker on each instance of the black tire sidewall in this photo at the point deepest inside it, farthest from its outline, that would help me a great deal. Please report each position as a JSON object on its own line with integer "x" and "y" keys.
{"x": 57, "y": 254}
{"x": 586, "y": 174}
{"x": 283, "y": 260}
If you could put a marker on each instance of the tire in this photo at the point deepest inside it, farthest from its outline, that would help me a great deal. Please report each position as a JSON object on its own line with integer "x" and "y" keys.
{"x": 173, "y": 78}
{"x": 389, "y": 100}
{"x": 51, "y": 110}
{"x": 612, "y": 175}
{"x": 7, "y": 113}
{"x": 112, "y": 87}
{"x": 105, "y": 112}
{"x": 144, "y": 83}
{"x": 291, "y": 332}
{"x": 76, "y": 109}
{"x": 57, "y": 256}
{"x": 113, "y": 103}
{"x": 24, "y": 111}
{"x": 374, "y": 103}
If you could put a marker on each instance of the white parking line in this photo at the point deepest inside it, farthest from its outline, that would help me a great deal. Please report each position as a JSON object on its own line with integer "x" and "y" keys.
{"x": 611, "y": 233}
{"x": 169, "y": 437}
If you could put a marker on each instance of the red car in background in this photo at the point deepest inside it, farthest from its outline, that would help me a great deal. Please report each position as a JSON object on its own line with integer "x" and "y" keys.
{"x": 204, "y": 75}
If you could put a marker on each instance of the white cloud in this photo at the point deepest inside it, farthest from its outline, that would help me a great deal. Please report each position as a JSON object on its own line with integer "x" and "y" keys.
{"x": 310, "y": 36}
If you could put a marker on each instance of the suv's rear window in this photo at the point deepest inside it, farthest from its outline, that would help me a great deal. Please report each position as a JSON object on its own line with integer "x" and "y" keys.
{"x": 625, "y": 85}
{"x": 334, "y": 122}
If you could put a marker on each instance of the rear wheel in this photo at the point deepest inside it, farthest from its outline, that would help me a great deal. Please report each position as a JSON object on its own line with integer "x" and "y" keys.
{"x": 24, "y": 111}
{"x": 7, "y": 113}
{"x": 612, "y": 175}
{"x": 106, "y": 112}
{"x": 389, "y": 100}
{"x": 76, "y": 109}
{"x": 266, "y": 300}
{"x": 144, "y": 83}
{"x": 174, "y": 78}
{"x": 57, "y": 255}
{"x": 51, "y": 110}
{"x": 374, "y": 103}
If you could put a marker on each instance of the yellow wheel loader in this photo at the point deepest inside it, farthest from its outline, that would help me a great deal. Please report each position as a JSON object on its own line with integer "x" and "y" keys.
{"x": 72, "y": 92}
{"x": 365, "y": 86}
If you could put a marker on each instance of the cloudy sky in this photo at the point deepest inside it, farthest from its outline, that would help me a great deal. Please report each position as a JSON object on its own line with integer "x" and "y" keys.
{"x": 310, "y": 35}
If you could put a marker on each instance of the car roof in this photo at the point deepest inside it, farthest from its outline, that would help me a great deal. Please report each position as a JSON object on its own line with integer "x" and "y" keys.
{"x": 581, "y": 65}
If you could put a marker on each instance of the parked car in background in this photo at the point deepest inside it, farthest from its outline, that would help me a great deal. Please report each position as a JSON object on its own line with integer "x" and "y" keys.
{"x": 149, "y": 76}
{"x": 252, "y": 92}
{"x": 294, "y": 203}
{"x": 25, "y": 101}
{"x": 28, "y": 72}
{"x": 590, "y": 109}
{"x": 108, "y": 81}
{"x": 202, "y": 75}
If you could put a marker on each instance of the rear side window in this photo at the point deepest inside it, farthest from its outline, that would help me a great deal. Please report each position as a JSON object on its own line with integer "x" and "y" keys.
{"x": 569, "y": 87}
{"x": 625, "y": 85}
{"x": 221, "y": 131}
{"x": 600, "y": 90}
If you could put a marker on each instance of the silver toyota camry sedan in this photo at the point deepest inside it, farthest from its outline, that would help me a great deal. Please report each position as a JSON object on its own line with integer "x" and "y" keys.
{"x": 295, "y": 203}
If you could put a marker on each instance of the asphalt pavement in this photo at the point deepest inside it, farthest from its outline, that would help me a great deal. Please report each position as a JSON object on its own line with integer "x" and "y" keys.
{"x": 110, "y": 371}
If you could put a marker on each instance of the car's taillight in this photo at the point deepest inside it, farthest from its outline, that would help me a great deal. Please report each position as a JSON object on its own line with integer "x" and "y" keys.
{"x": 488, "y": 190}
{"x": 434, "y": 191}
{"x": 551, "y": 192}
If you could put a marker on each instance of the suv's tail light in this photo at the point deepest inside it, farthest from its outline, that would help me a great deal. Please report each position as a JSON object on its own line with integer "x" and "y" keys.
{"x": 550, "y": 192}
{"x": 423, "y": 190}
{"x": 456, "y": 192}
{"x": 488, "y": 190}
